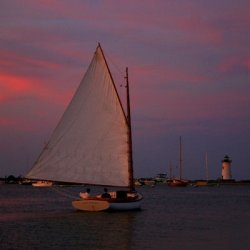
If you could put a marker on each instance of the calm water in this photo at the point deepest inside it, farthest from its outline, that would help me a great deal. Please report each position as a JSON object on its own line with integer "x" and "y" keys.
{"x": 171, "y": 218}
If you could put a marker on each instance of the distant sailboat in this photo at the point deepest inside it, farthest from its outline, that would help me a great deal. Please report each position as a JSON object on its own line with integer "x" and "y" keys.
{"x": 178, "y": 182}
{"x": 205, "y": 182}
{"x": 92, "y": 144}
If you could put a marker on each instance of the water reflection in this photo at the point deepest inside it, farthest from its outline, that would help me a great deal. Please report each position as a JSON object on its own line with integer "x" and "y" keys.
{"x": 39, "y": 221}
{"x": 206, "y": 218}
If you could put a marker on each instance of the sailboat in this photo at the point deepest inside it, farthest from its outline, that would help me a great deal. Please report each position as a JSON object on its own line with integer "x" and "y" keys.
{"x": 204, "y": 182}
{"x": 178, "y": 182}
{"x": 92, "y": 143}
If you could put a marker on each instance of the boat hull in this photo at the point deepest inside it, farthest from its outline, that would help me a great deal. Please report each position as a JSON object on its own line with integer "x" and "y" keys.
{"x": 42, "y": 184}
{"x": 125, "y": 206}
{"x": 114, "y": 204}
{"x": 177, "y": 183}
{"x": 90, "y": 205}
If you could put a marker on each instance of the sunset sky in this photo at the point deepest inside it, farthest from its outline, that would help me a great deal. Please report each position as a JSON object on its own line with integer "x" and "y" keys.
{"x": 189, "y": 69}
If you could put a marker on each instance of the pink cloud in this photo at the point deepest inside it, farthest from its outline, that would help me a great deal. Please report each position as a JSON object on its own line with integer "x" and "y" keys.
{"x": 189, "y": 24}
{"x": 228, "y": 64}
{"x": 247, "y": 63}
{"x": 204, "y": 115}
{"x": 167, "y": 74}
{"x": 6, "y": 122}
{"x": 13, "y": 85}
{"x": 165, "y": 107}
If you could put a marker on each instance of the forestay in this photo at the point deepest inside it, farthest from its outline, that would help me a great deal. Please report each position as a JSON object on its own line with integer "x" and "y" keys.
{"x": 90, "y": 143}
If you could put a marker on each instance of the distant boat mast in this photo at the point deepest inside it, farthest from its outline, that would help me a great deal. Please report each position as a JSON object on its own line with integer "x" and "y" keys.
{"x": 170, "y": 170}
{"x": 206, "y": 165}
{"x": 180, "y": 158}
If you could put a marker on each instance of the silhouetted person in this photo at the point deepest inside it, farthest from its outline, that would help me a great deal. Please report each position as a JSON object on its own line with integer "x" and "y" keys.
{"x": 106, "y": 194}
{"x": 86, "y": 194}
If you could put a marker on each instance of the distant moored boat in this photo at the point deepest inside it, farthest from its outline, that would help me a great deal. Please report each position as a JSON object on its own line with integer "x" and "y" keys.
{"x": 178, "y": 182}
{"x": 42, "y": 184}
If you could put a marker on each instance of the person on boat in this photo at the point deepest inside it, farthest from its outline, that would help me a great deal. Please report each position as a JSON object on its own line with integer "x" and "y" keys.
{"x": 86, "y": 194}
{"x": 106, "y": 194}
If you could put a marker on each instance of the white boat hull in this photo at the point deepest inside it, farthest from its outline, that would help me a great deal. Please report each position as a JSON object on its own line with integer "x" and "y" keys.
{"x": 42, "y": 184}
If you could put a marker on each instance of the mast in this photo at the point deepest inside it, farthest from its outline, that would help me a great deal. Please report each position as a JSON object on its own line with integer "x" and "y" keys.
{"x": 130, "y": 151}
{"x": 180, "y": 158}
{"x": 170, "y": 170}
{"x": 206, "y": 165}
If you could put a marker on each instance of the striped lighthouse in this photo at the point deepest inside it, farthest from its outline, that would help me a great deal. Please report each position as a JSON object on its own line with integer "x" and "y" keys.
{"x": 226, "y": 168}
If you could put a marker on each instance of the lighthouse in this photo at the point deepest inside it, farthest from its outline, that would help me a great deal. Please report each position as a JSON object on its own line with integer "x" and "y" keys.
{"x": 226, "y": 168}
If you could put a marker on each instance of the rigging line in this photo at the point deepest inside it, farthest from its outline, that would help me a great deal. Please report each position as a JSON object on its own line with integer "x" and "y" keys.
{"x": 114, "y": 64}
{"x": 63, "y": 193}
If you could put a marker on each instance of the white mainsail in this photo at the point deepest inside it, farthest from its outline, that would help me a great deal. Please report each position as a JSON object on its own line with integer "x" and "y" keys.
{"x": 90, "y": 143}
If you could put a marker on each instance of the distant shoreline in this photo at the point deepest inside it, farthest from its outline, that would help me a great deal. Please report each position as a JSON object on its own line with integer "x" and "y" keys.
{"x": 20, "y": 180}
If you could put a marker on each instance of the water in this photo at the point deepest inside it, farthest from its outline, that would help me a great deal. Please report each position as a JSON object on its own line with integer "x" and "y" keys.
{"x": 171, "y": 218}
